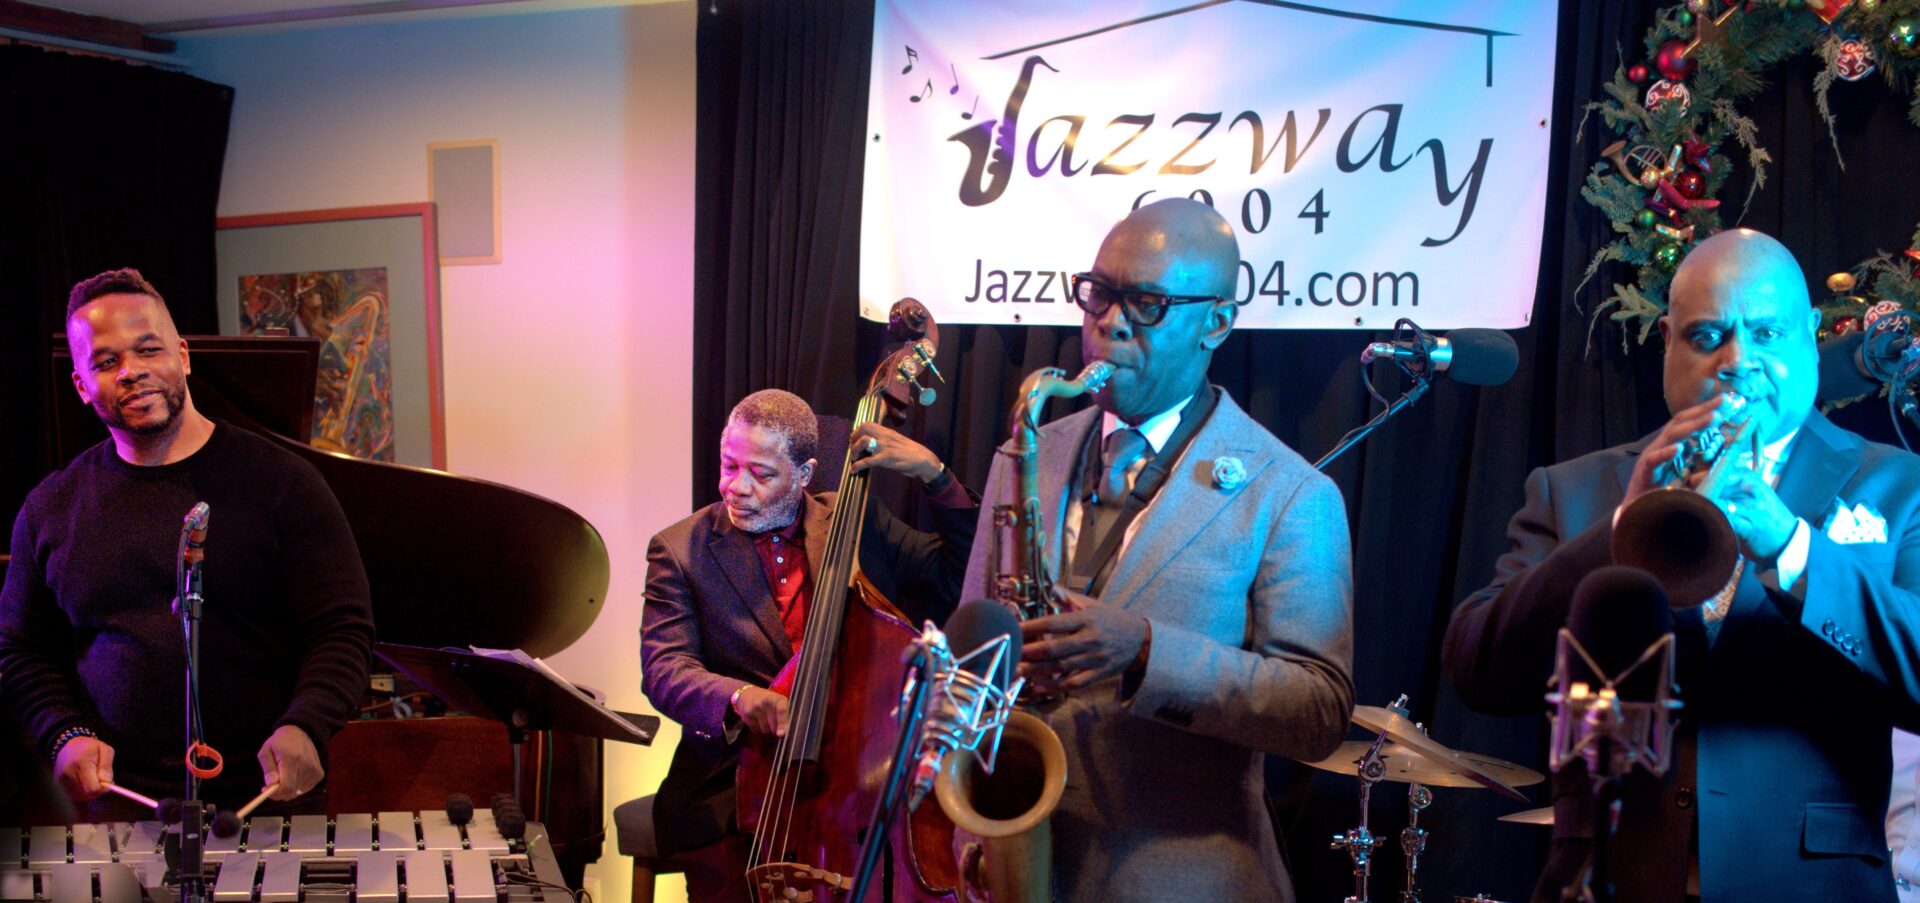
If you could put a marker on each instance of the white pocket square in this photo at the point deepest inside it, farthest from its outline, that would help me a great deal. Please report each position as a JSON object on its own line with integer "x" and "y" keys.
{"x": 1857, "y": 524}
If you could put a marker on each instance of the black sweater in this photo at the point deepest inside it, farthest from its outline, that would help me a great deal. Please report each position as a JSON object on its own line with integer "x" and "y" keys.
{"x": 88, "y": 637}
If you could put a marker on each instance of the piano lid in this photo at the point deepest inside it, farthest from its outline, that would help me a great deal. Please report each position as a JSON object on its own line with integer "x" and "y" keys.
{"x": 452, "y": 560}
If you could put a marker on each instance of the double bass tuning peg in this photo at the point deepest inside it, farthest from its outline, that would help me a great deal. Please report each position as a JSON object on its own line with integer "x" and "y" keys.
{"x": 918, "y": 364}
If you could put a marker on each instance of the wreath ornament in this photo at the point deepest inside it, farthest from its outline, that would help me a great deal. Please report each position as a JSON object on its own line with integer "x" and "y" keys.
{"x": 1679, "y": 128}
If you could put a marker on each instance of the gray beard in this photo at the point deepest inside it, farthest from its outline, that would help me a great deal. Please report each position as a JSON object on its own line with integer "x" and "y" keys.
{"x": 774, "y": 518}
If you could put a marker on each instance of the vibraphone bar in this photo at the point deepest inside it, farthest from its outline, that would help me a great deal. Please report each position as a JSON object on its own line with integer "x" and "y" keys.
{"x": 392, "y": 857}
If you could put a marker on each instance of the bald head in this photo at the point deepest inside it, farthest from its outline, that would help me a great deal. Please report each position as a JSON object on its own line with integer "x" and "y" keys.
{"x": 1176, "y": 247}
{"x": 1739, "y": 318}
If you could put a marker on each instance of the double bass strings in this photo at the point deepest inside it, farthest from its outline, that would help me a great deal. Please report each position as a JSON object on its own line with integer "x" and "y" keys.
{"x": 824, "y": 618}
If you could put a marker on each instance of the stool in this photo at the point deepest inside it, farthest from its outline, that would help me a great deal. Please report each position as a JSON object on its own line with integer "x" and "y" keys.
{"x": 633, "y": 827}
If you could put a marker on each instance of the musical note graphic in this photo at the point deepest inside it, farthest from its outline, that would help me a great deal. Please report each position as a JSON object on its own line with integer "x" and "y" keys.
{"x": 976, "y": 106}
{"x": 923, "y": 92}
{"x": 911, "y": 57}
{"x": 956, "y": 79}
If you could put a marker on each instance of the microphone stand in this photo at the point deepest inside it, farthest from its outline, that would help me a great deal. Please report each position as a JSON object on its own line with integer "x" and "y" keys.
{"x": 1595, "y": 883}
{"x": 913, "y": 708}
{"x": 1422, "y": 381}
{"x": 192, "y": 843}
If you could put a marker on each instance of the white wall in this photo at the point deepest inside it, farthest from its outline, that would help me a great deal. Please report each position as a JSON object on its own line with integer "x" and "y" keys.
{"x": 568, "y": 364}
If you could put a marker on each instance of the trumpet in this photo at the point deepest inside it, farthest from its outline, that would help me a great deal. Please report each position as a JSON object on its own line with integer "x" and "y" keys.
{"x": 1678, "y": 534}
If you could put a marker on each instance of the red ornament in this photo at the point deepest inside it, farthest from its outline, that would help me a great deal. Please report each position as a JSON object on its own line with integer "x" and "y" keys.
{"x": 1853, "y": 61}
{"x": 1672, "y": 61}
{"x": 1690, "y": 183}
{"x": 1664, "y": 92}
{"x": 1845, "y": 325}
{"x": 1828, "y": 10}
{"x": 1696, "y": 152}
{"x": 1638, "y": 74}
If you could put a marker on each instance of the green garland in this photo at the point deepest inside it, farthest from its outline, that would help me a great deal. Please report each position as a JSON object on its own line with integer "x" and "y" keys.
{"x": 1684, "y": 139}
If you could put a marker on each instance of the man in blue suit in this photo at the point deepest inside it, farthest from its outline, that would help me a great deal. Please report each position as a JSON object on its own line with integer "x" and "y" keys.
{"x": 1791, "y": 679}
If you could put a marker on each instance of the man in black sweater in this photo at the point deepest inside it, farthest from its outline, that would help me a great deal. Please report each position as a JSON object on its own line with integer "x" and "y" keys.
{"x": 92, "y": 656}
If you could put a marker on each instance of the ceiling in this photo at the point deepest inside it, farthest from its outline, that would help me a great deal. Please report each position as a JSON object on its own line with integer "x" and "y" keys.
{"x": 162, "y": 17}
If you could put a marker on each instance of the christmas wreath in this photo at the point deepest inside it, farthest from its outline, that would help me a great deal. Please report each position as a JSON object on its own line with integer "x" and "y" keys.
{"x": 1678, "y": 118}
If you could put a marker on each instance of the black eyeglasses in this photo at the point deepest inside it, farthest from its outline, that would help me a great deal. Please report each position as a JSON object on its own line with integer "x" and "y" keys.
{"x": 1140, "y": 308}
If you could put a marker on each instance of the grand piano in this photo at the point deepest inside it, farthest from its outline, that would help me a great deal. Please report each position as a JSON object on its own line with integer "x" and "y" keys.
{"x": 453, "y": 562}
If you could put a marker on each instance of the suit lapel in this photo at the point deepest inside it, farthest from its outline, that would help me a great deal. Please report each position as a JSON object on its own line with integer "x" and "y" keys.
{"x": 748, "y": 578}
{"x": 819, "y": 526}
{"x": 1188, "y": 502}
{"x": 1059, "y": 458}
{"x": 1822, "y": 460}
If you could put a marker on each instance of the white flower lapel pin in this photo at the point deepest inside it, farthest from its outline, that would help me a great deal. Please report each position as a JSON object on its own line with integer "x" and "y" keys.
{"x": 1229, "y": 473}
{"x": 1858, "y": 524}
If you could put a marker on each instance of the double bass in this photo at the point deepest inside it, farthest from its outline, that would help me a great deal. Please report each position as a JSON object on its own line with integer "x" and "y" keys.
{"x": 808, "y": 797}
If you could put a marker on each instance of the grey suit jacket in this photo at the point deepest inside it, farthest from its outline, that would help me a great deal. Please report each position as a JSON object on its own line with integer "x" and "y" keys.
{"x": 1249, "y": 590}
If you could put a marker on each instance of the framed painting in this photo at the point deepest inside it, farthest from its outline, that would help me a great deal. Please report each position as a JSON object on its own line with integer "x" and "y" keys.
{"x": 366, "y": 282}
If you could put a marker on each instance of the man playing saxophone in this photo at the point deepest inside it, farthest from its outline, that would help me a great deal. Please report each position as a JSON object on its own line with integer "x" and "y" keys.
{"x": 1205, "y": 583}
{"x": 1793, "y": 671}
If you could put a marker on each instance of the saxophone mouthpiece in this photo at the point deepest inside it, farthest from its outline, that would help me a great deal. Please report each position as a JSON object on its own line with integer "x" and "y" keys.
{"x": 1094, "y": 376}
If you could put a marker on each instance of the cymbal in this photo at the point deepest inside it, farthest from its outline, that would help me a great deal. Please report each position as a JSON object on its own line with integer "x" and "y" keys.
{"x": 1542, "y": 816}
{"x": 1407, "y": 765}
{"x": 1486, "y": 771}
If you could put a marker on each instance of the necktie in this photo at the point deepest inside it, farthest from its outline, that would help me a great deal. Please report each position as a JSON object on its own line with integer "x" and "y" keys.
{"x": 1123, "y": 448}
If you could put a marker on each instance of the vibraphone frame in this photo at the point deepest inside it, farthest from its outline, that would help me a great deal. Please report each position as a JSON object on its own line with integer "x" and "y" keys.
{"x": 392, "y": 857}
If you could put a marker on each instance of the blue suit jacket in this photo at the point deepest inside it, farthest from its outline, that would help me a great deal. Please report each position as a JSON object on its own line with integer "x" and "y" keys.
{"x": 1782, "y": 755}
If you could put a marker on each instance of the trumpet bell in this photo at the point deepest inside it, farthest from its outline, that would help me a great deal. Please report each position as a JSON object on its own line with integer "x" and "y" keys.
{"x": 1682, "y": 539}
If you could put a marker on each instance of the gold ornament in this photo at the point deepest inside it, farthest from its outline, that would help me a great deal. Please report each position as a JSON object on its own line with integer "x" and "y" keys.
{"x": 1840, "y": 282}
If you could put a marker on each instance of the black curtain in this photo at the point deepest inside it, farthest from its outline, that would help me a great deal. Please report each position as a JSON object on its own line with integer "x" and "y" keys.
{"x": 103, "y": 164}
{"x": 1428, "y": 496}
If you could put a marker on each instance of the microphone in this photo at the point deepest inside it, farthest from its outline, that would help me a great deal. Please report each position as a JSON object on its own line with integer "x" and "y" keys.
{"x": 1843, "y": 374}
{"x": 1613, "y": 676}
{"x": 194, "y": 549}
{"x": 1476, "y": 357}
{"x": 972, "y": 694}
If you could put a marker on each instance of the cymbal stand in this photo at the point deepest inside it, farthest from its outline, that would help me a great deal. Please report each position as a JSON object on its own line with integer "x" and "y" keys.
{"x": 1359, "y": 842}
{"x": 1413, "y": 839}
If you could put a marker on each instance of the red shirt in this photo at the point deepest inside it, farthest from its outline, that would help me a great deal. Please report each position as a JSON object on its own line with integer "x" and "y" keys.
{"x": 783, "y": 556}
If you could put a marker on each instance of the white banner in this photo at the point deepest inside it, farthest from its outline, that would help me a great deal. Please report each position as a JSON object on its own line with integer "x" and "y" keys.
{"x": 1378, "y": 158}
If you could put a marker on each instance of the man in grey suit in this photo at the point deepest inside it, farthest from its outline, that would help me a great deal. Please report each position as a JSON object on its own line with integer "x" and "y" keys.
{"x": 1792, "y": 677}
{"x": 1207, "y": 581}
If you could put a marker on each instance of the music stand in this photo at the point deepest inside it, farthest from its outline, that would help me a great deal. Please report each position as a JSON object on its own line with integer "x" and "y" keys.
{"x": 521, "y": 697}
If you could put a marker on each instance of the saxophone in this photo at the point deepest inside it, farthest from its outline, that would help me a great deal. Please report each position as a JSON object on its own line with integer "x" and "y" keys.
{"x": 1002, "y": 839}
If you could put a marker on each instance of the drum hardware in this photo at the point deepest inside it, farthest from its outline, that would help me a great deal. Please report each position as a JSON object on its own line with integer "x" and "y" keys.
{"x": 1413, "y": 839}
{"x": 1401, "y": 751}
{"x": 1542, "y": 817}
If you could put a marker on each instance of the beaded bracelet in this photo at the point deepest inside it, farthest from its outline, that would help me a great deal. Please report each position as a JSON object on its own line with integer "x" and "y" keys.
{"x": 64, "y": 737}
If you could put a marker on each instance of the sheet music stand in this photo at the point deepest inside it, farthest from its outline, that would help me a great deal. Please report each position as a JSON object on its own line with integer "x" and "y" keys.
{"x": 515, "y": 695}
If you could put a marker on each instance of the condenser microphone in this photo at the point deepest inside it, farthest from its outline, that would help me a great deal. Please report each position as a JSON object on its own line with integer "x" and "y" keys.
{"x": 1613, "y": 676}
{"x": 195, "y": 527}
{"x": 972, "y": 686}
{"x": 1476, "y": 357}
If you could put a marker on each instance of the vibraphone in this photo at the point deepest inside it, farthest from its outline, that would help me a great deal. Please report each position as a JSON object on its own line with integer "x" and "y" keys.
{"x": 392, "y": 857}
